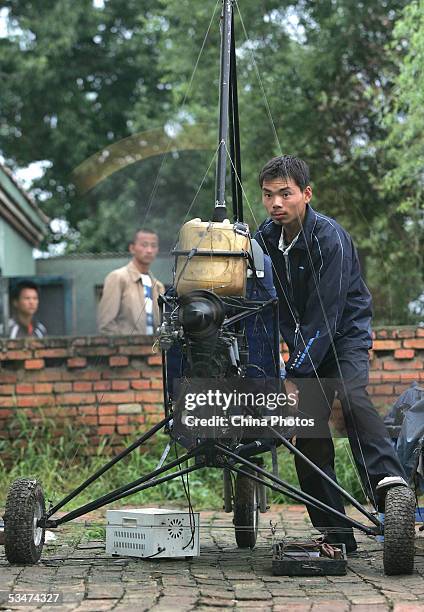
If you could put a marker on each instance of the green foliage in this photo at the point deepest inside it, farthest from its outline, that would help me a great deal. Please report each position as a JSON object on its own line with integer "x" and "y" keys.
{"x": 58, "y": 461}
{"x": 341, "y": 94}
{"x": 401, "y": 155}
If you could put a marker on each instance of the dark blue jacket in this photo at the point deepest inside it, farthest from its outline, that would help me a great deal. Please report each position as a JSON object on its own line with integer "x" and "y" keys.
{"x": 325, "y": 305}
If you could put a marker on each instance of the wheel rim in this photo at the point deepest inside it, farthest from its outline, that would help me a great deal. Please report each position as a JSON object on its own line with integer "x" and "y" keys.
{"x": 37, "y": 532}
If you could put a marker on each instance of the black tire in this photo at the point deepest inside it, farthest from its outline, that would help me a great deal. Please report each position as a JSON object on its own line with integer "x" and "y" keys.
{"x": 246, "y": 511}
{"x": 24, "y": 540}
{"x": 399, "y": 531}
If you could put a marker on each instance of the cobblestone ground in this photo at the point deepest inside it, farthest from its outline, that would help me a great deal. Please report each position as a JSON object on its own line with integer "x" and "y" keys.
{"x": 223, "y": 577}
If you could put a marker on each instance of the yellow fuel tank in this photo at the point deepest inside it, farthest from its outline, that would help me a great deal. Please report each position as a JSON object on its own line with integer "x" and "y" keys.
{"x": 224, "y": 275}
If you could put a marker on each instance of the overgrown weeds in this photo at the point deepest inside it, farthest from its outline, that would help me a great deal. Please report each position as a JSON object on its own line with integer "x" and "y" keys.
{"x": 55, "y": 452}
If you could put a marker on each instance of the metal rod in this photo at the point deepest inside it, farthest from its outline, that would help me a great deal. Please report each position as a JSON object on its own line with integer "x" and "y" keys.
{"x": 234, "y": 192}
{"x": 325, "y": 476}
{"x": 220, "y": 211}
{"x": 108, "y": 465}
{"x": 96, "y": 505}
{"x": 235, "y": 124}
{"x": 105, "y": 498}
{"x": 305, "y": 496}
{"x": 244, "y": 315}
{"x": 352, "y": 522}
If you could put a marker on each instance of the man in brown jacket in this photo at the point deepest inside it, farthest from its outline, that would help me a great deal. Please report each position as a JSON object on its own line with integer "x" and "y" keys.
{"x": 129, "y": 301}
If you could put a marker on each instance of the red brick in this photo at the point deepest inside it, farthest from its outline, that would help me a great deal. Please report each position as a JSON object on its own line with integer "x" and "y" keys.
{"x": 43, "y": 388}
{"x": 17, "y": 355}
{"x": 105, "y": 430}
{"x": 391, "y": 364}
{"x": 7, "y": 389}
{"x": 10, "y": 377}
{"x": 47, "y": 375}
{"x": 102, "y": 385}
{"x": 107, "y": 420}
{"x": 35, "y": 400}
{"x": 152, "y": 408}
{"x": 87, "y": 410}
{"x": 149, "y": 396}
{"x": 156, "y": 383}
{"x": 400, "y": 388}
{"x": 88, "y": 420}
{"x": 76, "y": 362}
{"x": 82, "y": 386}
{"x": 386, "y": 345}
{"x": 82, "y": 375}
{"x": 97, "y": 352}
{"x": 8, "y": 401}
{"x": 51, "y": 352}
{"x": 140, "y": 384}
{"x": 62, "y": 387}
{"x": 117, "y": 398}
{"x": 136, "y": 350}
{"x": 405, "y": 333}
{"x": 389, "y": 376}
{"x": 409, "y": 376}
{"x": 154, "y": 360}
{"x": 404, "y": 354}
{"x": 420, "y": 332}
{"x": 120, "y": 385}
{"x": 5, "y": 413}
{"x": 124, "y": 373}
{"x": 150, "y": 372}
{"x": 382, "y": 390}
{"x": 34, "y": 364}
{"x": 76, "y": 398}
{"x": 153, "y": 418}
{"x": 125, "y": 429}
{"x": 118, "y": 361}
{"x": 417, "y": 343}
{"x": 381, "y": 333}
{"x": 107, "y": 410}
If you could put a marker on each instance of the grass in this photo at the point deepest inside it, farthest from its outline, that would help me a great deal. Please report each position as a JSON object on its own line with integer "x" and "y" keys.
{"x": 59, "y": 463}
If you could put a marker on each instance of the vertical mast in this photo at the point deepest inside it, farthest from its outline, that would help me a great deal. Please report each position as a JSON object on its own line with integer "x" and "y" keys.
{"x": 220, "y": 211}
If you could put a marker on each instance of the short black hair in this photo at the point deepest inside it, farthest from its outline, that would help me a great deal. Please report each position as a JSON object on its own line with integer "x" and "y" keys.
{"x": 144, "y": 230}
{"x": 24, "y": 284}
{"x": 286, "y": 167}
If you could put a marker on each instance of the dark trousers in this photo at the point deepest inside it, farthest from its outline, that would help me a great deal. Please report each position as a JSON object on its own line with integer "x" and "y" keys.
{"x": 371, "y": 446}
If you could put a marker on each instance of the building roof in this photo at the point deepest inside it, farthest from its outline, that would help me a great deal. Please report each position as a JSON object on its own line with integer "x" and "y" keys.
{"x": 19, "y": 209}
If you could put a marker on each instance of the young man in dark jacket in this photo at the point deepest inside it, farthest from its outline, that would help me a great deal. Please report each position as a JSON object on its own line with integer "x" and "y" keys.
{"x": 325, "y": 318}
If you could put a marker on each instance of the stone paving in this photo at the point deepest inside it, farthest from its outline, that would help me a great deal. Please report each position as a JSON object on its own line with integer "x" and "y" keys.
{"x": 223, "y": 577}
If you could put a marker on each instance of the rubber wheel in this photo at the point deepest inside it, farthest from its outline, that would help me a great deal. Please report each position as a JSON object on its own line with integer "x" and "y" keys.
{"x": 23, "y": 538}
{"x": 246, "y": 511}
{"x": 399, "y": 531}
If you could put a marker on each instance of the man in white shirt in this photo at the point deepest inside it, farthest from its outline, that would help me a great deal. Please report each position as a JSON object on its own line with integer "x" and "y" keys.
{"x": 129, "y": 301}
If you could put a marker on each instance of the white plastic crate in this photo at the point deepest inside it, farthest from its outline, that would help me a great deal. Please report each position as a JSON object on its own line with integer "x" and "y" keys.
{"x": 147, "y": 532}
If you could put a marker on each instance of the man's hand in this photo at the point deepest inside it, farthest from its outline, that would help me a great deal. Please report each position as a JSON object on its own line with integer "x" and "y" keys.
{"x": 293, "y": 391}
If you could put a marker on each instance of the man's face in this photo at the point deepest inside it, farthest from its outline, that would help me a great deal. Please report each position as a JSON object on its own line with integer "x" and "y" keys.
{"x": 145, "y": 248}
{"x": 27, "y": 302}
{"x": 284, "y": 201}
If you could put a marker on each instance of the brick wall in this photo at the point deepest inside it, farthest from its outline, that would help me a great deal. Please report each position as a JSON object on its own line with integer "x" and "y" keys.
{"x": 113, "y": 385}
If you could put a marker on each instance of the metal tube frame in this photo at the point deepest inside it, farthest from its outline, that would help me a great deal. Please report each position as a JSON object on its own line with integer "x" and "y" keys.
{"x": 224, "y": 96}
{"x": 211, "y": 453}
{"x": 206, "y": 454}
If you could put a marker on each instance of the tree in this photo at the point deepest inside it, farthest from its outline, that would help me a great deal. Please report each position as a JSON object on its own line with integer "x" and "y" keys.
{"x": 401, "y": 159}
